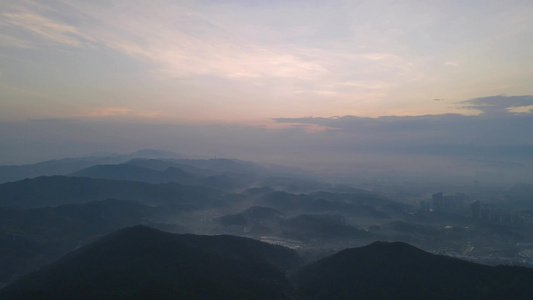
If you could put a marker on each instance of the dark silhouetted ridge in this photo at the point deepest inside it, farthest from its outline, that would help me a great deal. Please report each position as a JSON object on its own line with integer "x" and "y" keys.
{"x": 143, "y": 263}
{"x": 397, "y": 270}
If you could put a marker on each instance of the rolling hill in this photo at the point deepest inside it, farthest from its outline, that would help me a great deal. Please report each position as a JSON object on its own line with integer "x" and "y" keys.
{"x": 144, "y": 263}
{"x": 397, "y": 270}
{"x": 57, "y": 190}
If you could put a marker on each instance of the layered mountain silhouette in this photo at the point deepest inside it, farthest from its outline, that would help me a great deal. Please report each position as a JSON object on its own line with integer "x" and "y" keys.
{"x": 255, "y": 215}
{"x": 361, "y": 204}
{"x": 150, "y": 171}
{"x": 325, "y": 226}
{"x": 133, "y": 172}
{"x": 44, "y": 218}
{"x": 144, "y": 263}
{"x": 57, "y": 190}
{"x": 69, "y": 165}
{"x": 258, "y": 220}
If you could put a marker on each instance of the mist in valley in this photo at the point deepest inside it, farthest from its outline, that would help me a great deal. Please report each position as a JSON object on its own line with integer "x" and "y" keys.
{"x": 54, "y": 207}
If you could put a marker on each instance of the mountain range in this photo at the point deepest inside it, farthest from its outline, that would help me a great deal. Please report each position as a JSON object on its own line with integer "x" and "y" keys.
{"x": 70, "y": 165}
{"x": 156, "y": 225}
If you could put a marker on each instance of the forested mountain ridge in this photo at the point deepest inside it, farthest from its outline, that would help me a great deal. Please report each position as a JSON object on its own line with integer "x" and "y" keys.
{"x": 143, "y": 263}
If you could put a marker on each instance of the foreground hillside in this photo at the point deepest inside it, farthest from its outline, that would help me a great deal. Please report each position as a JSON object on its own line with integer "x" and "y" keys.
{"x": 400, "y": 271}
{"x": 143, "y": 263}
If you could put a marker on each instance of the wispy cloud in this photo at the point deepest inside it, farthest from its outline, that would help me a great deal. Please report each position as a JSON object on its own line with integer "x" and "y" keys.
{"x": 452, "y": 63}
{"x": 11, "y": 41}
{"x": 118, "y": 112}
{"x": 271, "y": 59}
{"x": 368, "y": 84}
{"x": 179, "y": 41}
{"x": 42, "y": 27}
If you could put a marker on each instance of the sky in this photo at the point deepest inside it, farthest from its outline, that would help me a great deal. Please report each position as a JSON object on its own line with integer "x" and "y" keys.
{"x": 269, "y": 80}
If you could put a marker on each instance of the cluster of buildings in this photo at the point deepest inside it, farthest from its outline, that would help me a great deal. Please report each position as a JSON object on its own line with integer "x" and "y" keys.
{"x": 460, "y": 204}
{"x": 457, "y": 204}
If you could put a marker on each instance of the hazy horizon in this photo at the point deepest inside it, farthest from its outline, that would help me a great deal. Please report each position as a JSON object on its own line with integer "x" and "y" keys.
{"x": 436, "y": 90}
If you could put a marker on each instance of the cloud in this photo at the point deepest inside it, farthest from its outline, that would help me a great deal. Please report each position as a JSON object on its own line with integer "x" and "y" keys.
{"x": 498, "y": 104}
{"x": 452, "y": 63}
{"x": 494, "y": 133}
{"x": 113, "y": 112}
{"x": 11, "y": 41}
{"x": 271, "y": 59}
{"x": 43, "y": 27}
{"x": 186, "y": 39}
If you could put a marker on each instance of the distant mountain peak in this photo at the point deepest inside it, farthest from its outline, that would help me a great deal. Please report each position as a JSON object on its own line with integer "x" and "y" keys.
{"x": 392, "y": 245}
{"x": 153, "y": 153}
{"x": 137, "y": 232}
{"x": 390, "y": 249}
